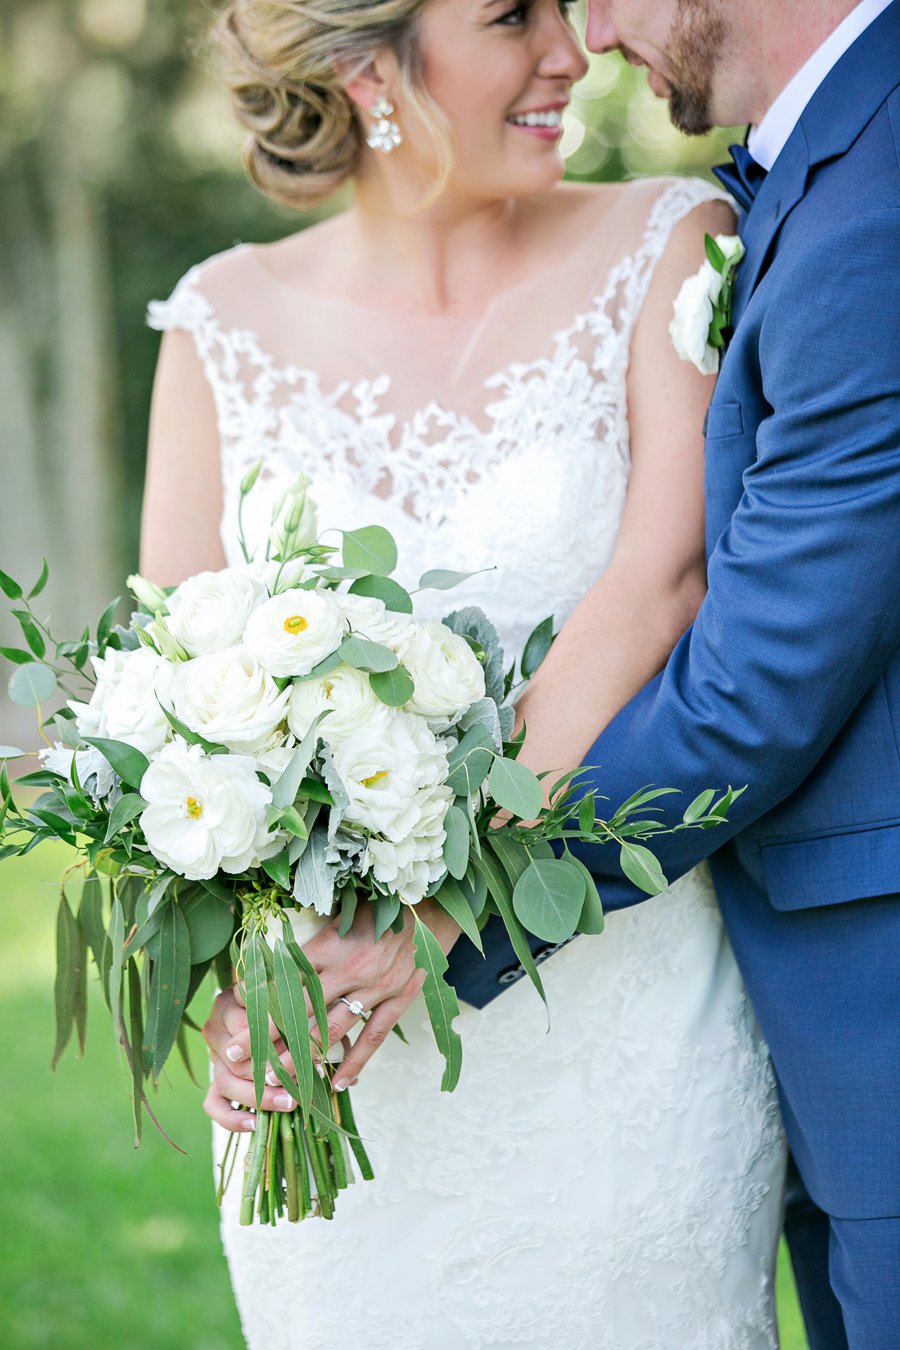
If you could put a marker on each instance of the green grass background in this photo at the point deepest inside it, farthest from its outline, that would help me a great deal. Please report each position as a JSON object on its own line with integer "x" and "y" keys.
{"x": 100, "y": 1245}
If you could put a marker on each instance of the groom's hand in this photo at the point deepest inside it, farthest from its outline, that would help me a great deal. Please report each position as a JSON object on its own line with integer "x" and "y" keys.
{"x": 380, "y": 976}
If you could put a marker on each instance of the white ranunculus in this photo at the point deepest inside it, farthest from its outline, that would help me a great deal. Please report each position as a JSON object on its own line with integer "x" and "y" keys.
{"x": 294, "y": 631}
{"x": 204, "y": 812}
{"x": 125, "y": 703}
{"x": 447, "y": 674}
{"x": 95, "y": 774}
{"x": 370, "y": 618}
{"x": 689, "y": 328}
{"x": 346, "y": 695}
{"x": 409, "y": 868}
{"x": 228, "y": 698}
{"x": 295, "y": 522}
{"x": 383, "y": 771}
{"x": 209, "y": 611}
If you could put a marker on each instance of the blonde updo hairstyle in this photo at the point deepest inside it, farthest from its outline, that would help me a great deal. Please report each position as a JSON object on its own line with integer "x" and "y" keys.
{"x": 281, "y": 61}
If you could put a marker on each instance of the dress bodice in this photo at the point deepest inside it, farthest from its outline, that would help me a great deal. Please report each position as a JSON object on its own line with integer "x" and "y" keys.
{"x": 473, "y": 461}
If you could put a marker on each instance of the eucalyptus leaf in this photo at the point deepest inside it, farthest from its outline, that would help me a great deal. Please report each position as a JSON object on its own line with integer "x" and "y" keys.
{"x": 16, "y": 655}
{"x": 387, "y": 908}
{"x": 456, "y": 845}
{"x": 642, "y": 868}
{"x": 372, "y": 548}
{"x": 294, "y": 1020}
{"x": 168, "y": 990}
{"x": 117, "y": 962}
{"x": 443, "y": 579}
{"x": 501, "y": 894}
{"x": 699, "y": 806}
{"x": 10, "y": 588}
{"x": 32, "y": 634}
{"x": 454, "y": 902}
{"x": 12, "y": 752}
{"x": 279, "y": 869}
{"x": 32, "y": 684}
{"x": 285, "y": 790}
{"x": 440, "y": 1001}
{"x": 514, "y": 787}
{"x": 537, "y": 647}
{"x": 393, "y": 687}
{"x": 70, "y": 954}
{"x": 363, "y": 654}
{"x": 210, "y": 923}
{"x": 382, "y": 588}
{"x": 192, "y": 737}
{"x": 591, "y": 919}
{"x": 548, "y": 899}
{"x": 470, "y": 761}
{"x": 257, "y": 1004}
{"x": 41, "y": 581}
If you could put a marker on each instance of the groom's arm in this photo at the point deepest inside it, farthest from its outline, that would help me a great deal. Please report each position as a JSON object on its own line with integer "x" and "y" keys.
{"x": 803, "y": 608}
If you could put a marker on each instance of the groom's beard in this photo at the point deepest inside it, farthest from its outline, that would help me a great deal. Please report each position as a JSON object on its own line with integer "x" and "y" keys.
{"x": 694, "y": 48}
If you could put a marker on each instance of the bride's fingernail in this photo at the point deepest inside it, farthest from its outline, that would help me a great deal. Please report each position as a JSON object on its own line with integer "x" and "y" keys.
{"x": 248, "y": 1123}
{"x": 235, "y": 1053}
{"x": 320, "y": 1069}
{"x": 340, "y": 1085}
{"x": 282, "y": 1102}
{"x": 271, "y": 1078}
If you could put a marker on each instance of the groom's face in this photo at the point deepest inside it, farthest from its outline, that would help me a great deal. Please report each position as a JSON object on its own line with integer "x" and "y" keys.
{"x": 681, "y": 42}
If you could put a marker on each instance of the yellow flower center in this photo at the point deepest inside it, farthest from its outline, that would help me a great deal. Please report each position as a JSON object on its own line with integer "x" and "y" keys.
{"x": 375, "y": 778}
{"x": 295, "y": 624}
{"x": 194, "y": 808}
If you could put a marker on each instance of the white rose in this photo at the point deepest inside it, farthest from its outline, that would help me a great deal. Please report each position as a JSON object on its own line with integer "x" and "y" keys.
{"x": 409, "y": 868}
{"x": 689, "y": 328}
{"x": 125, "y": 704}
{"x": 294, "y": 631}
{"x": 346, "y": 696}
{"x": 383, "y": 770}
{"x": 209, "y": 612}
{"x": 204, "y": 812}
{"x": 447, "y": 674}
{"x": 370, "y": 618}
{"x": 228, "y": 698}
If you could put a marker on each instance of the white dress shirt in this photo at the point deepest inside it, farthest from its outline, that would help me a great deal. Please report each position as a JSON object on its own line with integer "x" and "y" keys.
{"x": 767, "y": 140}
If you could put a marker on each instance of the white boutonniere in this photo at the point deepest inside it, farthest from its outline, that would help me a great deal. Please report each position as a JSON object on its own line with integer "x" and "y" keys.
{"x": 703, "y": 305}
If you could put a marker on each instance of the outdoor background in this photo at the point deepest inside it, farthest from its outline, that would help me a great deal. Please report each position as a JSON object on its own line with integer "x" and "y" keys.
{"x": 119, "y": 169}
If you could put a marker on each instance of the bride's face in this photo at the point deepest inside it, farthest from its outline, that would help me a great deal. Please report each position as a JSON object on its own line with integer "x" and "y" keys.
{"x": 502, "y": 72}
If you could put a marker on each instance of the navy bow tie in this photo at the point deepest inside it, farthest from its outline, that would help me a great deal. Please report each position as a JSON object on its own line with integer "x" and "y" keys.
{"x": 743, "y": 177}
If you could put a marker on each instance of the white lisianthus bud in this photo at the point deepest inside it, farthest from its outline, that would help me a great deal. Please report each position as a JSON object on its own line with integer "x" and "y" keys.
{"x": 383, "y": 770}
{"x": 248, "y": 482}
{"x": 294, "y": 520}
{"x": 204, "y": 812}
{"x": 149, "y": 596}
{"x": 228, "y": 698}
{"x": 370, "y": 618}
{"x": 164, "y": 640}
{"x": 447, "y": 675}
{"x": 346, "y": 695}
{"x": 209, "y": 611}
{"x": 295, "y": 630}
{"x": 732, "y": 247}
{"x": 125, "y": 703}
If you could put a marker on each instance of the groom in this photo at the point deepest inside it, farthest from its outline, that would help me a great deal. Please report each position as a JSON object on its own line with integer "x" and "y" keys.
{"x": 789, "y": 680}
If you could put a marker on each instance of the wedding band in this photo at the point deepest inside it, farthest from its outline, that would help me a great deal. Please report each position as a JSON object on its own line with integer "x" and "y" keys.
{"x": 355, "y": 1006}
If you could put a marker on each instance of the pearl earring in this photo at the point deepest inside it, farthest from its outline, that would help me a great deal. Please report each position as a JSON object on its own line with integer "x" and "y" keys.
{"x": 385, "y": 135}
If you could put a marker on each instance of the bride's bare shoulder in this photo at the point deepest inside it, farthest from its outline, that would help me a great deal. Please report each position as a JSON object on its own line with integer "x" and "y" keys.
{"x": 295, "y": 259}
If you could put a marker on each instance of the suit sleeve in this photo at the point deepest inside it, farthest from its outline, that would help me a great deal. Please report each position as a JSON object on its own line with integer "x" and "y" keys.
{"x": 803, "y": 609}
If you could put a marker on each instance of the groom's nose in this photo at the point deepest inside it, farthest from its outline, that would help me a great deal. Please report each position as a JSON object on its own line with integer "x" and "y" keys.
{"x": 600, "y": 35}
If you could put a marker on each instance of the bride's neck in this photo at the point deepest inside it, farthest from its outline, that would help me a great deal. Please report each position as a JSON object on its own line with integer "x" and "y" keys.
{"x": 446, "y": 257}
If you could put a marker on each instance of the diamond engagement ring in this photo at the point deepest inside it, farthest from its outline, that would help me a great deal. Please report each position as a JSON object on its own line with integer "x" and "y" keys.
{"x": 354, "y": 1005}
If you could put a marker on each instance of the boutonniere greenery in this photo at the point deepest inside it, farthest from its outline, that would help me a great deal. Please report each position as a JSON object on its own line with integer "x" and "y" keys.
{"x": 703, "y": 305}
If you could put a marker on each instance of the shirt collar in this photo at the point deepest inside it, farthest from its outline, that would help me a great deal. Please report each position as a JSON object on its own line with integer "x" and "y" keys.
{"x": 766, "y": 141}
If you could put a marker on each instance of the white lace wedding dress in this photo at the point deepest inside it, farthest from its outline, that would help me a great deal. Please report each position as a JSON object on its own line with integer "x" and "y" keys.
{"x": 616, "y": 1183}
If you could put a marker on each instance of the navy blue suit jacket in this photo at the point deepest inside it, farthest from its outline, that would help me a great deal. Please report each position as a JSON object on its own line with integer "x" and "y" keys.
{"x": 789, "y": 680}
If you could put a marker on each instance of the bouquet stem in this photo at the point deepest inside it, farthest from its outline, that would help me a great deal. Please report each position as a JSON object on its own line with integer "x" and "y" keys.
{"x": 298, "y": 1165}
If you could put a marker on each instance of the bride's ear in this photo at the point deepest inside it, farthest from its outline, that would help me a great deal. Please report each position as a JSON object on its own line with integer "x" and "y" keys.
{"x": 365, "y": 87}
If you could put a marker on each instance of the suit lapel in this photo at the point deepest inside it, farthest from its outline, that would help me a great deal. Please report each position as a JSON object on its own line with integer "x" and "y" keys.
{"x": 834, "y": 118}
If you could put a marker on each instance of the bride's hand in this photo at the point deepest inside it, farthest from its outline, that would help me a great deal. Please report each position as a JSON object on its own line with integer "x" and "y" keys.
{"x": 381, "y": 976}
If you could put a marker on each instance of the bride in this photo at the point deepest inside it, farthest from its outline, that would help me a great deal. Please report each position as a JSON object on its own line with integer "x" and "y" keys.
{"x": 477, "y": 357}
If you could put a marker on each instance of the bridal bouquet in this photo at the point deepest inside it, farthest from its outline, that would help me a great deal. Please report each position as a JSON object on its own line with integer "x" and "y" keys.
{"x": 260, "y": 751}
